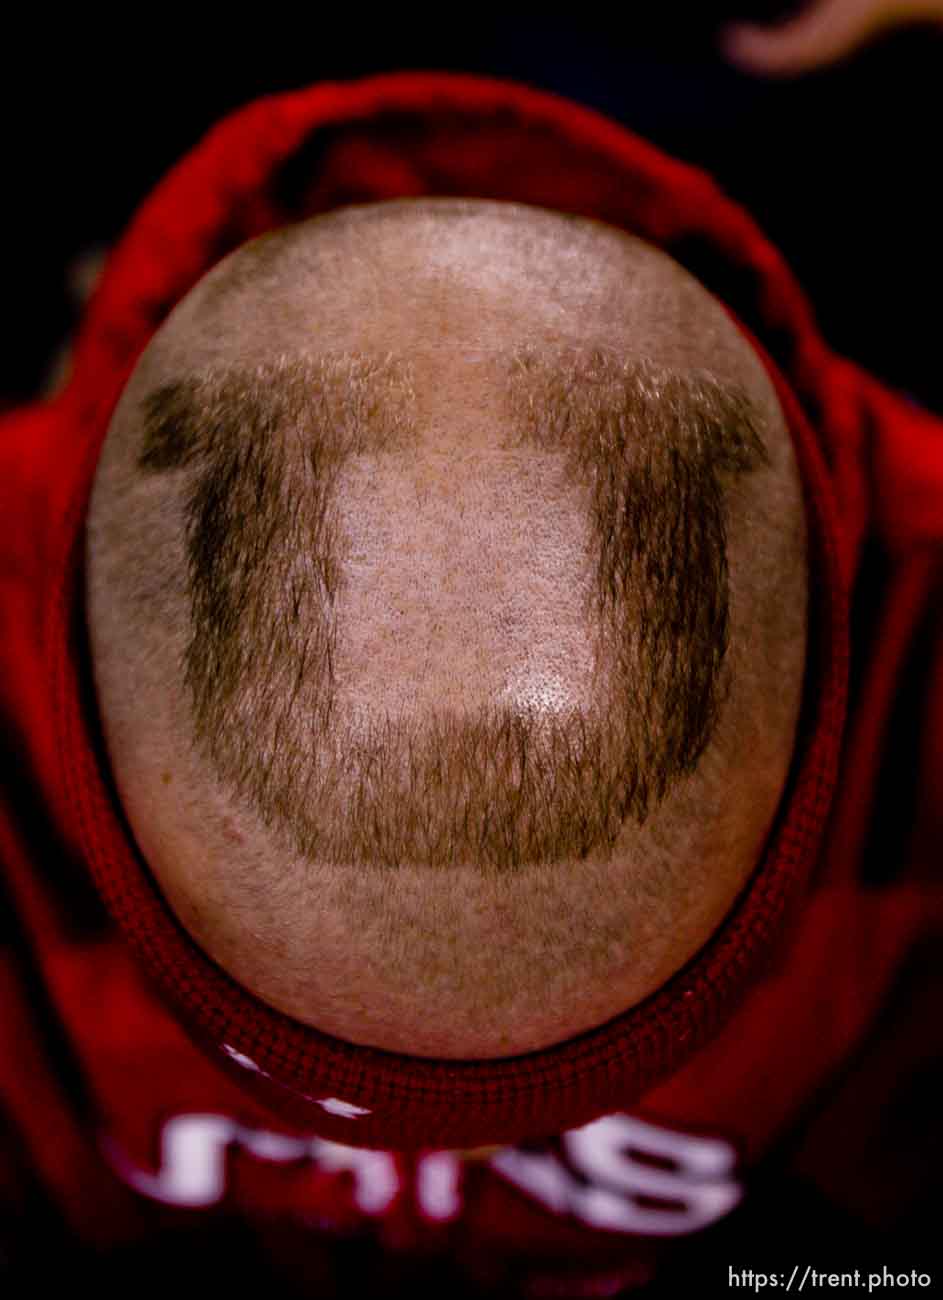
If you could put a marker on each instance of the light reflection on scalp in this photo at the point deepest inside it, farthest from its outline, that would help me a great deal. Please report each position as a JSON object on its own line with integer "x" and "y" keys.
{"x": 261, "y": 448}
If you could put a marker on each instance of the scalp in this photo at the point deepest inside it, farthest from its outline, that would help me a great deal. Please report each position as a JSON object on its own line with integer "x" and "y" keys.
{"x": 360, "y": 582}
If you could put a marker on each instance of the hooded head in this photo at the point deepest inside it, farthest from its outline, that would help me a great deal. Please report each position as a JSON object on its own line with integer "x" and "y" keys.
{"x": 447, "y": 603}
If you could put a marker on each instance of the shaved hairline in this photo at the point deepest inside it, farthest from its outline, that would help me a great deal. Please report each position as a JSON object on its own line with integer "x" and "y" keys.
{"x": 263, "y": 446}
{"x": 371, "y": 400}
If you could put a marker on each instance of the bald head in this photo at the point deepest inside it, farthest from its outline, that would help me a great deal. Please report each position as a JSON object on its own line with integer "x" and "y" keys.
{"x": 446, "y": 595}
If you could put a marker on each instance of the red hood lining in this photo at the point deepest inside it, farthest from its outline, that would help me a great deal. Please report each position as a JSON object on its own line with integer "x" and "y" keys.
{"x": 463, "y": 1103}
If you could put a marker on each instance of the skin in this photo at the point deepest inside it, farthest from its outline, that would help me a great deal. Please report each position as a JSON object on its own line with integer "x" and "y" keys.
{"x": 440, "y": 613}
{"x": 821, "y": 33}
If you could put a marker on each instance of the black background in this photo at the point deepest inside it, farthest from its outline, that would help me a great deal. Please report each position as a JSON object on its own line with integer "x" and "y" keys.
{"x": 840, "y": 167}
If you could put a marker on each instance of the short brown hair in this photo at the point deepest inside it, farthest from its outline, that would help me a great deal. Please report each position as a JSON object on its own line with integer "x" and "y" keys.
{"x": 260, "y": 448}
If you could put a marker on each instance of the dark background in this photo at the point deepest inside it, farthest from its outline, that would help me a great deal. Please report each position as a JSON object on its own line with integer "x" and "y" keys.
{"x": 839, "y": 167}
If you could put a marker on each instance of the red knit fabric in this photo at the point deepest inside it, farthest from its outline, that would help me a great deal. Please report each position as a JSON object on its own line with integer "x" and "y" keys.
{"x": 410, "y": 1101}
{"x": 805, "y": 956}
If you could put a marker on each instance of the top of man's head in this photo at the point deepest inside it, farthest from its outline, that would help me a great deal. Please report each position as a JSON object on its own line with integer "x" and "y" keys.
{"x": 447, "y": 592}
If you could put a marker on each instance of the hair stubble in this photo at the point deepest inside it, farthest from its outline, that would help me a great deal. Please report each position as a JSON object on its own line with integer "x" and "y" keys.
{"x": 260, "y": 450}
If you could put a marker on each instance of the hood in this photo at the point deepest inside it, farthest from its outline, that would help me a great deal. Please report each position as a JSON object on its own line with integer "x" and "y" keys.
{"x": 288, "y": 157}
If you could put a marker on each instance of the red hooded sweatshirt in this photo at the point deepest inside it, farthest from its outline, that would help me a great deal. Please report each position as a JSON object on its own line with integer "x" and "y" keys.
{"x": 142, "y": 1089}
